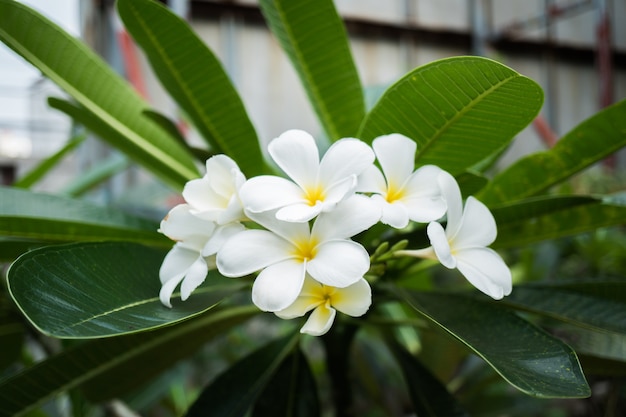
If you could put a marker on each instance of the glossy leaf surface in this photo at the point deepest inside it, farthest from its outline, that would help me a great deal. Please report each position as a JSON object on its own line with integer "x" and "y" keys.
{"x": 100, "y": 289}
{"x": 101, "y": 367}
{"x": 524, "y": 355}
{"x": 92, "y": 83}
{"x": 45, "y": 217}
{"x": 195, "y": 79}
{"x": 315, "y": 40}
{"x": 459, "y": 110}
{"x": 234, "y": 391}
{"x": 589, "y": 142}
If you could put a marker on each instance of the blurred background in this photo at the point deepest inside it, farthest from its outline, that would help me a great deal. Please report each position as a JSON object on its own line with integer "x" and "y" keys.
{"x": 575, "y": 49}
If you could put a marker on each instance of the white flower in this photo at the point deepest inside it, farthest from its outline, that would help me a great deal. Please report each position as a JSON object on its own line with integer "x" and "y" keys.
{"x": 192, "y": 256}
{"x": 286, "y": 252}
{"x": 404, "y": 194}
{"x": 317, "y": 185}
{"x": 463, "y": 244}
{"x": 353, "y": 300}
{"x": 215, "y": 196}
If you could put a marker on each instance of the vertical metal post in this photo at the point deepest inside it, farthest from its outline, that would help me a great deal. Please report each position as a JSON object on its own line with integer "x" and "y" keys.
{"x": 604, "y": 58}
{"x": 480, "y": 26}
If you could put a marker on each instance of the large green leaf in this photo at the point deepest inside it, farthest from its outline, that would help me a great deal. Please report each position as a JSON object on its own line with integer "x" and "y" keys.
{"x": 37, "y": 173}
{"x": 459, "y": 110}
{"x": 315, "y": 40}
{"x": 589, "y": 142}
{"x": 234, "y": 391}
{"x": 195, "y": 79}
{"x": 430, "y": 397}
{"x": 524, "y": 355}
{"x": 290, "y": 392}
{"x": 599, "y": 305}
{"x": 111, "y": 367}
{"x": 44, "y": 217}
{"x": 101, "y": 289}
{"x": 102, "y": 171}
{"x": 84, "y": 76}
{"x": 581, "y": 217}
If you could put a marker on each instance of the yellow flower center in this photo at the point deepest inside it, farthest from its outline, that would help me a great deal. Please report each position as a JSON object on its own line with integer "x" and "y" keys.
{"x": 394, "y": 193}
{"x": 306, "y": 249}
{"x": 314, "y": 194}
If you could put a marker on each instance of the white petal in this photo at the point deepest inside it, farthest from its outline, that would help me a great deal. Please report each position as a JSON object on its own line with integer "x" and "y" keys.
{"x": 452, "y": 196}
{"x": 224, "y": 175}
{"x": 422, "y": 195}
{"x": 311, "y": 295}
{"x": 394, "y": 214}
{"x": 268, "y": 192}
{"x": 195, "y": 276}
{"x": 396, "y": 155}
{"x": 478, "y": 227}
{"x": 425, "y": 209}
{"x": 296, "y": 153}
{"x": 371, "y": 181}
{"x": 299, "y": 212}
{"x": 485, "y": 270}
{"x": 167, "y": 289}
{"x": 354, "y": 300}
{"x": 221, "y": 235}
{"x": 344, "y": 158}
{"x": 233, "y": 211}
{"x": 181, "y": 225}
{"x": 439, "y": 242}
{"x": 320, "y": 321}
{"x": 204, "y": 201}
{"x": 339, "y": 191}
{"x": 339, "y": 263}
{"x": 349, "y": 218}
{"x": 176, "y": 263}
{"x": 290, "y": 231}
{"x": 250, "y": 251}
{"x": 278, "y": 285}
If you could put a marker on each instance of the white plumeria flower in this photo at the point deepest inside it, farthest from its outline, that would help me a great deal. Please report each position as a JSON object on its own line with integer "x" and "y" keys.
{"x": 192, "y": 256}
{"x": 463, "y": 244}
{"x": 317, "y": 186}
{"x": 215, "y": 196}
{"x": 287, "y": 251}
{"x": 353, "y": 300}
{"x": 404, "y": 194}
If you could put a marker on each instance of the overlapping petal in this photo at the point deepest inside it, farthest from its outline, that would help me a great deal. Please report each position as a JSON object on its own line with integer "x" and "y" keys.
{"x": 320, "y": 321}
{"x": 353, "y": 216}
{"x": 278, "y": 285}
{"x": 485, "y": 270}
{"x": 296, "y": 153}
{"x": 353, "y": 300}
{"x": 339, "y": 263}
{"x": 344, "y": 158}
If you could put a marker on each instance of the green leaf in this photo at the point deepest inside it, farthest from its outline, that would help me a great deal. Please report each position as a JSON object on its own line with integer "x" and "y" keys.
{"x": 459, "y": 110}
{"x": 195, "y": 79}
{"x": 538, "y": 206}
{"x": 47, "y": 164}
{"x": 290, "y": 392}
{"x": 12, "y": 332}
{"x": 430, "y": 397}
{"x": 525, "y": 356}
{"x": 101, "y": 289}
{"x": 234, "y": 391}
{"x": 569, "y": 221}
{"x": 111, "y": 367}
{"x": 592, "y": 140}
{"x": 315, "y": 40}
{"x": 102, "y": 171}
{"x": 470, "y": 183}
{"x": 102, "y": 93}
{"x": 598, "y": 305}
{"x": 44, "y": 217}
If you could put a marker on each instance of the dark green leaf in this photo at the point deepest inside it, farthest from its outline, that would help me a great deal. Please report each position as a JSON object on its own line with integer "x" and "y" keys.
{"x": 592, "y": 140}
{"x": 599, "y": 305}
{"x": 524, "y": 355}
{"x": 290, "y": 392}
{"x": 101, "y": 289}
{"x": 315, "y": 40}
{"x": 430, "y": 397}
{"x": 47, "y": 164}
{"x": 579, "y": 218}
{"x": 44, "y": 217}
{"x": 101, "y": 172}
{"x": 459, "y": 110}
{"x": 538, "y": 206}
{"x": 234, "y": 391}
{"x": 470, "y": 183}
{"x": 110, "y": 367}
{"x": 195, "y": 79}
{"x": 99, "y": 90}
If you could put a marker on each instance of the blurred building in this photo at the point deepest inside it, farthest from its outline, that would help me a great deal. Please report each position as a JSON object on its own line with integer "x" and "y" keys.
{"x": 576, "y": 49}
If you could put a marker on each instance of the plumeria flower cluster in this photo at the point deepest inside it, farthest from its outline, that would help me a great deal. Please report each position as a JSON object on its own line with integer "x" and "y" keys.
{"x": 296, "y": 232}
